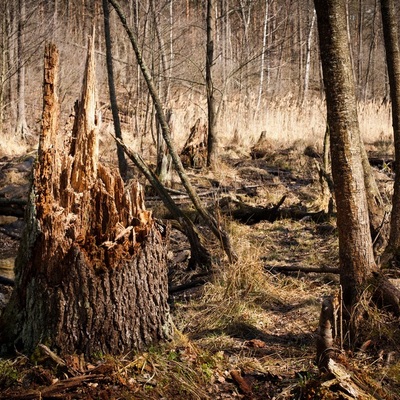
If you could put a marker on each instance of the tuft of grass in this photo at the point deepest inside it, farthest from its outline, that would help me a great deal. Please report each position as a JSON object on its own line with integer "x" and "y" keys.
{"x": 175, "y": 369}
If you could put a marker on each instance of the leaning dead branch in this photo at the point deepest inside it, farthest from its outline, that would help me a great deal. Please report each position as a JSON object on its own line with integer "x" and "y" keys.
{"x": 215, "y": 226}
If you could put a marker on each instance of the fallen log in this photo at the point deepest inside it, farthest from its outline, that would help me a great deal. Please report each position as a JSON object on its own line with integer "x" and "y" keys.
{"x": 251, "y": 215}
{"x": 247, "y": 214}
{"x": 12, "y": 207}
{"x": 187, "y": 285}
{"x": 382, "y": 163}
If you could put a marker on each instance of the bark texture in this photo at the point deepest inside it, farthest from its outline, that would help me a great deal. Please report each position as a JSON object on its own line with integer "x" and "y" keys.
{"x": 212, "y": 135}
{"x": 91, "y": 272}
{"x": 355, "y": 244}
{"x": 122, "y": 164}
{"x": 391, "y": 32}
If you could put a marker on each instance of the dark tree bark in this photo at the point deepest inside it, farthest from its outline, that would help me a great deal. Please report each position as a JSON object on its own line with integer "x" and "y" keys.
{"x": 376, "y": 206}
{"x": 194, "y": 151}
{"x": 391, "y": 35}
{"x": 122, "y": 164}
{"x": 359, "y": 274}
{"x": 355, "y": 245}
{"x": 91, "y": 270}
{"x": 212, "y": 138}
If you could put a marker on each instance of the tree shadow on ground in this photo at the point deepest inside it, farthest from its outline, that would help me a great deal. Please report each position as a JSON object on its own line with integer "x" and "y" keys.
{"x": 259, "y": 342}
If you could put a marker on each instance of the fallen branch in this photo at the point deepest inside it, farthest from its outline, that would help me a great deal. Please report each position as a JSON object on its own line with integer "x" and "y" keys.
{"x": 299, "y": 268}
{"x": 10, "y": 234}
{"x": 187, "y": 285}
{"x": 244, "y": 386}
{"x": 247, "y": 214}
{"x": 199, "y": 254}
{"x": 250, "y": 215}
{"x": 57, "y": 389}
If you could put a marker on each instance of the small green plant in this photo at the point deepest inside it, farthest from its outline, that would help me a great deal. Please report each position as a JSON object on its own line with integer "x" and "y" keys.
{"x": 8, "y": 374}
{"x": 98, "y": 356}
{"x": 394, "y": 372}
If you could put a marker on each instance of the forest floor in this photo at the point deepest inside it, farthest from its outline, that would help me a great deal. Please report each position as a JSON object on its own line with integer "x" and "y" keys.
{"x": 243, "y": 331}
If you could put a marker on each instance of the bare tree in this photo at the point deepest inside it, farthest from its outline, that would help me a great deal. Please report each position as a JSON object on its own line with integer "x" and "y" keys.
{"x": 308, "y": 57}
{"x": 21, "y": 124}
{"x": 263, "y": 51}
{"x": 122, "y": 164}
{"x": 211, "y": 108}
{"x": 391, "y": 34}
{"x": 357, "y": 263}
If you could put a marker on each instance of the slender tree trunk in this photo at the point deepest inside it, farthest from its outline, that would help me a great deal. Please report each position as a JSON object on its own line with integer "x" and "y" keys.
{"x": 122, "y": 164}
{"x": 355, "y": 245}
{"x": 360, "y": 55}
{"x": 391, "y": 32}
{"x": 91, "y": 271}
{"x": 376, "y": 207}
{"x": 21, "y": 125}
{"x": 308, "y": 58}
{"x": 3, "y": 63}
{"x": 263, "y": 50}
{"x": 368, "y": 87}
{"x": 350, "y": 43}
{"x": 164, "y": 162}
{"x": 211, "y": 108}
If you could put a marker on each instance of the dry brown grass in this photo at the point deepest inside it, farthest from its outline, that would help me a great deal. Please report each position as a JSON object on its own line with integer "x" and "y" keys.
{"x": 246, "y": 300}
{"x": 284, "y": 121}
{"x": 12, "y": 145}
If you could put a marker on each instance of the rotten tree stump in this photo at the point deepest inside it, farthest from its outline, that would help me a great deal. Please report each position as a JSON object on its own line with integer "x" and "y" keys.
{"x": 194, "y": 152}
{"x": 91, "y": 272}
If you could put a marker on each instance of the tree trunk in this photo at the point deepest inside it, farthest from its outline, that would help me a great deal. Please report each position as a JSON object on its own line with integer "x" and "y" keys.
{"x": 263, "y": 51}
{"x": 390, "y": 31}
{"x": 355, "y": 245}
{"x": 212, "y": 137}
{"x": 22, "y": 129}
{"x": 308, "y": 59}
{"x": 122, "y": 164}
{"x": 376, "y": 207}
{"x": 91, "y": 270}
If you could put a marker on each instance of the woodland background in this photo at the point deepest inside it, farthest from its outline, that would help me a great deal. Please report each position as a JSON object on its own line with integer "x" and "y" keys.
{"x": 266, "y": 72}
